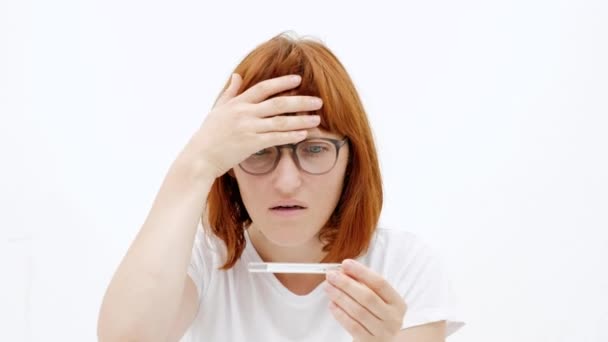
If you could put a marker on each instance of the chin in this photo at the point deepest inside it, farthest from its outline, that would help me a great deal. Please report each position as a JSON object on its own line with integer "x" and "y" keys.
{"x": 287, "y": 237}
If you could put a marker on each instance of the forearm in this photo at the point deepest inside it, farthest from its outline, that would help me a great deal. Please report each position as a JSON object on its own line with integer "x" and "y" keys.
{"x": 144, "y": 294}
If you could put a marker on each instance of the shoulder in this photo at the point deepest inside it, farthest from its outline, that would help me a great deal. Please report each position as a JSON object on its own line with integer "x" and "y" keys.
{"x": 208, "y": 253}
{"x": 384, "y": 233}
{"x": 386, "y": 240}
{"x": 416, "y": 270}
{"x": 392, "y": 251}
{"x": 209, "y": 244}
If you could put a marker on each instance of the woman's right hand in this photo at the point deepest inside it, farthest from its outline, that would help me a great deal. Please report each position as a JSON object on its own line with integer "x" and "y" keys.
{"x": 239, "y": 126}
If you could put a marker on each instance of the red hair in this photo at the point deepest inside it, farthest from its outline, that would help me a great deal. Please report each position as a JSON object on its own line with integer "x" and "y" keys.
{"x": 349, "y": 230}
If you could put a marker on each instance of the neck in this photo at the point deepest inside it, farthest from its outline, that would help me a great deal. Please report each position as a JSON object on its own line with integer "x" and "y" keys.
{"x": 309, "y": 252}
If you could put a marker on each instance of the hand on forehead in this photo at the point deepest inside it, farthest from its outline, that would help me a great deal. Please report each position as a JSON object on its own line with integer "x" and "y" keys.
{"x": 315, "y": 131}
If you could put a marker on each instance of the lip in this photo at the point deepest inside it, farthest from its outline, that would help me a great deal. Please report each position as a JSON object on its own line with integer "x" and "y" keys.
{"x": 288, "y": 203}
{"x": 287, "y": 213}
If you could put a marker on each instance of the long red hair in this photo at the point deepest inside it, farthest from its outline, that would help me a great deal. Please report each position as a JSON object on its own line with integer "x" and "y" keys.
{"x": 348, "y": 232}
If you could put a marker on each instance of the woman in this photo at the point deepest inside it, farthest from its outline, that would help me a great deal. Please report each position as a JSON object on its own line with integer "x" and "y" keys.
{"x": 286, "y": 165}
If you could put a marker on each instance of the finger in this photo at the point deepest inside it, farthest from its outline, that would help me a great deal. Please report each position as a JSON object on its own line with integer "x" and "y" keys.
{"x": 231, "y": 90}
{"x": 262, "y": 90}
{"x": 288, "y": 104}
{"x": 356, "y": 330}
{"x": 373, "y": 280}
{"x": 365, "y": 296}
{"x": 287, "y": 123}
{"x": 355, "y": 310}
{"x": 280, "y": 138}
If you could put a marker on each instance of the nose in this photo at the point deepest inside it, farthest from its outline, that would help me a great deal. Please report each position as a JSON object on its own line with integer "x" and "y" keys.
{"x": 286, "y": 176}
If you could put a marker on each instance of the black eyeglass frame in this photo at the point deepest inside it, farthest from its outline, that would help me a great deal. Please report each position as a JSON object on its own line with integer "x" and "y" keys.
{"x": 336, "y": 142}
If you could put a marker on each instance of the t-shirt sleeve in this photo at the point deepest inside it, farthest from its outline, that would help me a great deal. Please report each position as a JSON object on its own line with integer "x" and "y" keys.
{"x": 427, "y": 291}
{"x": 199, "y": 268}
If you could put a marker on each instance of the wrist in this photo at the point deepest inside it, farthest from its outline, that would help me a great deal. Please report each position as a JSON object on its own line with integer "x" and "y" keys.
{"x": 193, "y": 159}
{"x": 196, "y": 170}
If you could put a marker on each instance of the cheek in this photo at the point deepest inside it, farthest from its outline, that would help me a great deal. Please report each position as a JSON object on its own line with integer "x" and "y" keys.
{"x": 249, "y": 190}
{"x": 329, "y": 193}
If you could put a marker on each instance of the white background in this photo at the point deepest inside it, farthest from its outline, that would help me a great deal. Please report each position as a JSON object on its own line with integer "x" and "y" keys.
{"x": 490, "y": 118}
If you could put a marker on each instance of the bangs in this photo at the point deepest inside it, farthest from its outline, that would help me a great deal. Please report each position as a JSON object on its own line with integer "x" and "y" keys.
{"x": 320, "y": 71}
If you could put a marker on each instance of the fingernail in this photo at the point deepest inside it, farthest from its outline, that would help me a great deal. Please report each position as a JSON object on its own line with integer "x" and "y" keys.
{"x": 314, "y": 119}
{"x": 349, "y": 264}
{"x": 296, "y": 78}
{"x": 333, "y": 275}
{"x": 316, "y": 101}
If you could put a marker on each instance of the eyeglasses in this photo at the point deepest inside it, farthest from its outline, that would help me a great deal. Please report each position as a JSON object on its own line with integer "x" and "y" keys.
{"x": 315, "y": 156}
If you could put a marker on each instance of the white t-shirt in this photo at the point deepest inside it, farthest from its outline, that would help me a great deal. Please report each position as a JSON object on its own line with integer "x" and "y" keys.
{"x": 237, "y": 305}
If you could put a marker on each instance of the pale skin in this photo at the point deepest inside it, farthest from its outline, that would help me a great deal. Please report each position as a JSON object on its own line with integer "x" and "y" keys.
{"x": 238, "y": 126}
{"x": 371, "y": 310}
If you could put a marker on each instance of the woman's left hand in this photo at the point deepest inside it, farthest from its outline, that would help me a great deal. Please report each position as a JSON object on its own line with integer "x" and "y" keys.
{"x": 364, "y": 303}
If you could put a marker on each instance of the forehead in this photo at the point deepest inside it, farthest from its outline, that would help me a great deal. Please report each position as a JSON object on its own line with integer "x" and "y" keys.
{"x": 321, "y": 133}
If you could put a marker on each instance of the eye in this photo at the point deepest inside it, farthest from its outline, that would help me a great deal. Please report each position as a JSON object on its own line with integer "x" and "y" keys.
{"x": 316, "y": 148}
{"x": 261, "y": 152}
